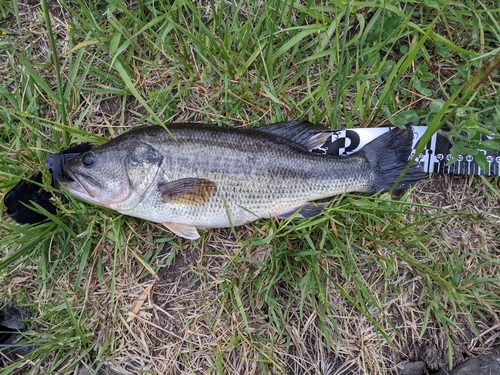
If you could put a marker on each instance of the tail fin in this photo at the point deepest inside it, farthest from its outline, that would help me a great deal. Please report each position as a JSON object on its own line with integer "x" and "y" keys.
{"x": 388, "y": 156}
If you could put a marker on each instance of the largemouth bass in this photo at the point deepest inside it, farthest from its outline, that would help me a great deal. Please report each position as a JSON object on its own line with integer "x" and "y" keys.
{"x": 202, "y": 176}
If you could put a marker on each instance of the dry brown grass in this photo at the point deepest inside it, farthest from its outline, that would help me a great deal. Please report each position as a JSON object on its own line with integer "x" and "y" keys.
{"x": 181, "y": 323}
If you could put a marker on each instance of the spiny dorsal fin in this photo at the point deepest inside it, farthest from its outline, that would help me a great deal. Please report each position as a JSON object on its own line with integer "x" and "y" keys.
{"x": 304, "y": 133}
{"x": 191, "y": 191}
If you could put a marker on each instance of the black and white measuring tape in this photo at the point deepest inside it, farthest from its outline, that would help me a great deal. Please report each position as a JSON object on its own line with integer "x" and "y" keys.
{"x": 434, "y": 159}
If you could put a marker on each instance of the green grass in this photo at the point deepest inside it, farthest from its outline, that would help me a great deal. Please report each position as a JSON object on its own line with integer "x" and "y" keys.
{"x": 282, "y": 289}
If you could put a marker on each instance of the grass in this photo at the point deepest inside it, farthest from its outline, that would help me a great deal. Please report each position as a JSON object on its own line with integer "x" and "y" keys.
{"x": 357, "y": 290}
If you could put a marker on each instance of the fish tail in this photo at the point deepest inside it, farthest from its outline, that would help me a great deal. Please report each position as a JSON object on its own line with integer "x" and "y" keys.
{"x": 388, "y": 156}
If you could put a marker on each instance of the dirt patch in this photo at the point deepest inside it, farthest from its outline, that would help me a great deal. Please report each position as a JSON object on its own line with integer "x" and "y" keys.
{"x": 177, "y": 274}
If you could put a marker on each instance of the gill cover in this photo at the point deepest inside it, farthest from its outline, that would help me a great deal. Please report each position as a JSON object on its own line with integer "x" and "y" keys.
{"x": 142, "y": 165}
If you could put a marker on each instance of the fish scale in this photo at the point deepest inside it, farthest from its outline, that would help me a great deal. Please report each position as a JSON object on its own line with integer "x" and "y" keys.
{"x": 245, "y": 174}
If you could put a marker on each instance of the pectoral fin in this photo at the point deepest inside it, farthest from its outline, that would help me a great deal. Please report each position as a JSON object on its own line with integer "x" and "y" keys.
{"x": 183, "y": 230}
{"x": 190, "y": 191}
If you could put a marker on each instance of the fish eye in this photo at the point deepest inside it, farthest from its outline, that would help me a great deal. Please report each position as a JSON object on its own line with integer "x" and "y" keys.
{"x": 88, "y": 159}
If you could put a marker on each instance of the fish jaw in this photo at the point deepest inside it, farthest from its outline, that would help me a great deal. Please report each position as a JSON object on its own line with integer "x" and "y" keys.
{"x": 79, "y": 190}
{"x": 87, "y": 188}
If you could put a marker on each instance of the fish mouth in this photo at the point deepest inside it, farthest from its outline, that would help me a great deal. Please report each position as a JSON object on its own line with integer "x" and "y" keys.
{"x": 77, "y": 185}
{"x": 89, "y": 189}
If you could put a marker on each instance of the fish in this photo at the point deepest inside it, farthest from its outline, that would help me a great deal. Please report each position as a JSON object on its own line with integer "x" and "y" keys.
{"x": 198, "y": 176}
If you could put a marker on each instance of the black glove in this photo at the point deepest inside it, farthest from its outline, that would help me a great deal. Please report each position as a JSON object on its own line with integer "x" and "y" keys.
{"x": 18, "y": 200}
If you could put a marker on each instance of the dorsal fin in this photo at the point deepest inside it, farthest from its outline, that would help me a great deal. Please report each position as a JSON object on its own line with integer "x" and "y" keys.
{"x": 304, "y": 133}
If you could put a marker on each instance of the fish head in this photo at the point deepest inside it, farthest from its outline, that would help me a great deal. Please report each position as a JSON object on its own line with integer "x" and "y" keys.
{"x": 115, "y": 175}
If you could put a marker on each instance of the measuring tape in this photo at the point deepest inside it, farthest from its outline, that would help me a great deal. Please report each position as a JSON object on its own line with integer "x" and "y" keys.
{"x": 434, "y": 159}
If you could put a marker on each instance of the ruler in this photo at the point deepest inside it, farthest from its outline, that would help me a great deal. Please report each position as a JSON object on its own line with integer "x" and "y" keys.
{"x": 434, "y": 158}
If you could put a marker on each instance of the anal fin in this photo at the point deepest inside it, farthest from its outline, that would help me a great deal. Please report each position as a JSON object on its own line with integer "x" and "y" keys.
{"x": 307, "y": 211}
{"x": 183, "y": 230}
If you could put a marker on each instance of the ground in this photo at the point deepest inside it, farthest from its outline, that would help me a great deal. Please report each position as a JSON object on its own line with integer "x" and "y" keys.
{"x": 182, "y": 318}
{"x": 379, "y": 284}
